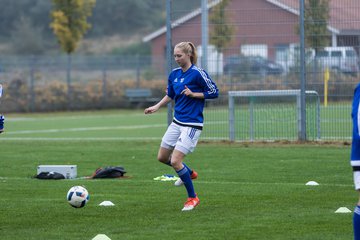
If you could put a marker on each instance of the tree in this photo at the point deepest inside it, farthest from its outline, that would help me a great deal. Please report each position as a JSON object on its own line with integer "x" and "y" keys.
{"x": 316, "y": 17}
{"x": 69, "y": 25}
{"x": 70, "y": 21}
{"x": 220, "y": 36}
{"x": 25, "y": 29}
{"x": 221, "y": 33}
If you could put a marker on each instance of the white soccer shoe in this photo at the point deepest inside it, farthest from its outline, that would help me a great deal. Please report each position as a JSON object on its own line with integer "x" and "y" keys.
{"x": 179, "y": 182}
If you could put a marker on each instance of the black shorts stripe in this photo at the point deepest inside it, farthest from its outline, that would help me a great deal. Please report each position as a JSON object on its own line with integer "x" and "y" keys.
{"x": 356, "y": 168}
{"x": 187, "y": 125}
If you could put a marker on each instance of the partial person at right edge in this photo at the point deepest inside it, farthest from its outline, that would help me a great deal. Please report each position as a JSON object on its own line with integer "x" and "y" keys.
{"x": 355, "y": 157}
{"x": 2, "y": 118}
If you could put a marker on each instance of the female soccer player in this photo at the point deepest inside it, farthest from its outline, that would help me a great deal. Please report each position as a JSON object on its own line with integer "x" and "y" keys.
{"x": 189, "y": 86}
{"x": 355, "y": 157}
{"x": 2, "y": 118}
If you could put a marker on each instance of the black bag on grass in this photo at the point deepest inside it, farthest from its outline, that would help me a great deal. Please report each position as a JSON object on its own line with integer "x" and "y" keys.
{"x": 109, "y": 172}
{"x": 50, "y": 175}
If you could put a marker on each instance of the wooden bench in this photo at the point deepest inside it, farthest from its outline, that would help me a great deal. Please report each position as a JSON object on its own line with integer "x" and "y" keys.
{"x": 139, "y": 96}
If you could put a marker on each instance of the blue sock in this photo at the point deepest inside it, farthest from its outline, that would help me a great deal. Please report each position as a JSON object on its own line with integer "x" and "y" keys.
{"x": 189, "y": 169}
{"x": 356, "y": 223}
{"x": 184, "y": 175}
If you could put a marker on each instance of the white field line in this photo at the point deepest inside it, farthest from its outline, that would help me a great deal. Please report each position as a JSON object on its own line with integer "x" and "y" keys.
{"x": 198, "y": 182}
{"x": 37, "y": 119}
{"x": 56, "y": 130}
{"x": 92, "y": 139}
{"x": 80, "y": 139}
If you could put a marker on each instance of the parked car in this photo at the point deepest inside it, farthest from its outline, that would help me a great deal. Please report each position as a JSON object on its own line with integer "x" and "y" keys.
{"x": 342, "y": 59}
{"x": 240, "y": 64}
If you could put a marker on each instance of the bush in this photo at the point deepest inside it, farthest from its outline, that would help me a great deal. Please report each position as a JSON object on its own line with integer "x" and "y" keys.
{"x": 53, "y": 95}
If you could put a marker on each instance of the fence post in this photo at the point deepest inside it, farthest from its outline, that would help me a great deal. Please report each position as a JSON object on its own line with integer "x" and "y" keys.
{"x": 302, "y": 134}
{"x": 32, "y": 80}
{"x": 251, "y": 112}
{"x": 168, "y": 53}
{"x": 231, "y": 118}
{"x": 204, "y": 34}
{"x": 68, "y": 80}
{"x": 137, "y": 59}
{"x": 104, "y": 83}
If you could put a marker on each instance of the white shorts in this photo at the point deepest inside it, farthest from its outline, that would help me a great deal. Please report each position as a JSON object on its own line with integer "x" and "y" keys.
{"x": 357, "y": 180}
{"x": 183, "y": 139}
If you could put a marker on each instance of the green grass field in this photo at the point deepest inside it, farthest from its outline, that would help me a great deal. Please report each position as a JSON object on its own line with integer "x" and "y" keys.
{"x": 247, "y": 191}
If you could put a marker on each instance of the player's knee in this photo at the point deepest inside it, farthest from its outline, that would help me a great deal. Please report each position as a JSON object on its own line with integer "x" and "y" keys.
{"x": 176, "y": 160}
{"x": 177, "y": 165}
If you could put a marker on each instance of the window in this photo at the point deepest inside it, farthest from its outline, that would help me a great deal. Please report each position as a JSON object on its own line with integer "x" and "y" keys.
{"x": 322, "y": 53}
{"x": 335, "y": 54}
{"x": 350, "y": 53}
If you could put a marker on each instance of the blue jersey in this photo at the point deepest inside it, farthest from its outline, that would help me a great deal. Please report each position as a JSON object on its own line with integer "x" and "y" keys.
{"x": 355, "y": 146}
{"x": 189, "y": 111}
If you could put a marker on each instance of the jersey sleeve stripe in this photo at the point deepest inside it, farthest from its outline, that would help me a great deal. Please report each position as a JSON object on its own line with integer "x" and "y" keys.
{"x": 207, "y": 80}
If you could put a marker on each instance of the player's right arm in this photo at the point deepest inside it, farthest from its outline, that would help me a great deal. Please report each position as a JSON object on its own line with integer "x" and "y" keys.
{"x": 165, "y": 100}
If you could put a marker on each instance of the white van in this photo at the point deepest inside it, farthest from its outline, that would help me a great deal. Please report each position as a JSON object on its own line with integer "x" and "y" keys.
{"x": 289, "y": 57}
{"x": 342, "y": 59}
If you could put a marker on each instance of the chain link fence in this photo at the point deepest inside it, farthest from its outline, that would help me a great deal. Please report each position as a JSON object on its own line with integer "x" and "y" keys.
{"x": 44, "y": 83}
{"x": 253, "y": 46}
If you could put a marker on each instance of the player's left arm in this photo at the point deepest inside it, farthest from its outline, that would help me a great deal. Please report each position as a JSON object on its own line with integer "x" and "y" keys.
{"x": 192, "y": 94}
{"x": 209, "y": 88}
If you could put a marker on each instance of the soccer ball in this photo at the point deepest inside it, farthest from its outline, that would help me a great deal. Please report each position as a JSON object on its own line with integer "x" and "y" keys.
{"x": 78, "y": 196}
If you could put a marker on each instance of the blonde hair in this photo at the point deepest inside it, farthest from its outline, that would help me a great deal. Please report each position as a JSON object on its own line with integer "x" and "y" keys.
{"x": 188, "y": 48}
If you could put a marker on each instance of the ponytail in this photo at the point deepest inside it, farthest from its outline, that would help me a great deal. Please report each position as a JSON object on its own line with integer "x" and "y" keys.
{"x": 188, "y": 48}
{"x": 193, "y": 57}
